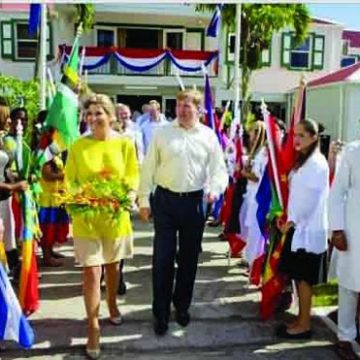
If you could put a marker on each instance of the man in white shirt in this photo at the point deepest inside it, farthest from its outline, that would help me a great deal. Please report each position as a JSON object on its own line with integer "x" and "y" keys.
{"x": 145, "y": 113}
{"x": 183, "y": 157}
{"x": 130, "y": 129}
{"x": 345, "y": 225}
{"x": 154, "y": 121}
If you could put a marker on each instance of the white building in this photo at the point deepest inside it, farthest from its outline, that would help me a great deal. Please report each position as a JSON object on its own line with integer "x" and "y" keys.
{"x": 144, "y": 31}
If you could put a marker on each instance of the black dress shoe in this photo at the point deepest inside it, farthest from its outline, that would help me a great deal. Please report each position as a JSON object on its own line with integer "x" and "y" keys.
{"x": 160, "y": 326}
{"x": 182, "y": 318}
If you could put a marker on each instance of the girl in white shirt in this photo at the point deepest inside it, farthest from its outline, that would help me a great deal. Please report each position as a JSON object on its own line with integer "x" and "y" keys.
{"x": 253, "y": 171}
{"x": 304, "y": 255}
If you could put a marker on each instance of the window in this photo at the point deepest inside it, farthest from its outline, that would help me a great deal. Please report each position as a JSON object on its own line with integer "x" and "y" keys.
{"x": 144, "y": 39}
{"x": 231, "y": 48}
{"x": 307, "y": 56}
{"x": 105, "y": 38}
{"x": 25, "y": 46}
{"x": 266, "y": 57}
{"x": 265, "y": 54}
{"x": 16, "y": 44}
{"x": 348, "y": 60}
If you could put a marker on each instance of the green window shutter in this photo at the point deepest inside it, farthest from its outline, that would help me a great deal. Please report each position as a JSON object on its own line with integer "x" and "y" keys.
{"x": 7, "y": 49}
{"x": 318, "y": 51}
{"x": 286, "y": 49}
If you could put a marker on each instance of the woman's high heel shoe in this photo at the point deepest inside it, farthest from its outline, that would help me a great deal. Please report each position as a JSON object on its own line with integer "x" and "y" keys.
{"x": 93, "y": 354}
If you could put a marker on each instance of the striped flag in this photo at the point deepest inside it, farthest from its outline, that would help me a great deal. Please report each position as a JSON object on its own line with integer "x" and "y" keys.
{"x": 13, "y": 324}
{"x": 211, "y": 119}
{"x": 274, "y": 186}
{"x": 29, "y": 282}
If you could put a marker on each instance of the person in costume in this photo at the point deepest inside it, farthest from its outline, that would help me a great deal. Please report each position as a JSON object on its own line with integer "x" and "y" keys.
{"x": 54, "y": 220}
{"x": 305, "y": 251}
{"x": 95, "y": 242}
{"x": 344, "y": 209}
{"x": 7, "y": 188}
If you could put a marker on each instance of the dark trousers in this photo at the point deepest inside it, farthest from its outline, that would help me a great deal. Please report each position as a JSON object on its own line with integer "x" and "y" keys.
{"x": 179, "y": 226}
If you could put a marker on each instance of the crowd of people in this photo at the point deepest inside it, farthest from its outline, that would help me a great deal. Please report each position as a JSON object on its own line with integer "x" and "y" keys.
{"x": 179, "y": 173}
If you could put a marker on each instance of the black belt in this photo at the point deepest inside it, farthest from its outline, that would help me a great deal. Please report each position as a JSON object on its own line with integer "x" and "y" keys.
{"x": 194, "y": 194}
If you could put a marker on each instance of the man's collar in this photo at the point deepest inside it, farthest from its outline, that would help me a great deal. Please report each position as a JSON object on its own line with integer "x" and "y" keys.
{"x": 196, "y": 126}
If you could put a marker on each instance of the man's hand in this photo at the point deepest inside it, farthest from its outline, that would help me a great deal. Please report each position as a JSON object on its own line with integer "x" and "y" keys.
{"x": 338, "y": 239}
{"x": 211, "y": 198}
{"x": 144, "y": 213}
{"x": 19, "y": 186}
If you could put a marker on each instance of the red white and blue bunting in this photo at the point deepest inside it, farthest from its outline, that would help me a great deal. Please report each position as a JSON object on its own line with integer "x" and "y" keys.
{"x": 142, "y": 60}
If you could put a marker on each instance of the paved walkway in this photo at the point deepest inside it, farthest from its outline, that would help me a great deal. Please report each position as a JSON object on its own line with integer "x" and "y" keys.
{"x": 225, "y": 320}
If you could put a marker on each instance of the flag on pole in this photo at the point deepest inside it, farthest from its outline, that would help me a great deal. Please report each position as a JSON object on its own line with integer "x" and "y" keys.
{"x": 273, "y": 281}
{"x": 298, "y": 113}
{"x": 29, "y": 282}
{"x": 13, "y": 324}
{"x": 34, "y": 19}
{"x": 63, "y": 113}
{"x": 215, "y": 22}
{"x": 211, "y": 118}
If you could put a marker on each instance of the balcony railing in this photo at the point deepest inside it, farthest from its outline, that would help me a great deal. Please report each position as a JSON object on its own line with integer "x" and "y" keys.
{"x": 156, "y": 62}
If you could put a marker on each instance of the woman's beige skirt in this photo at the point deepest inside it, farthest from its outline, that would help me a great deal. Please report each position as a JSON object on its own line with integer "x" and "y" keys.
{"x": 95, "y": 252}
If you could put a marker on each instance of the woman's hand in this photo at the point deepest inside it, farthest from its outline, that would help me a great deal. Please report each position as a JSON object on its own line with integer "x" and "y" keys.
{"x": 338, "y": 239}
{"x": 284, "y": 227}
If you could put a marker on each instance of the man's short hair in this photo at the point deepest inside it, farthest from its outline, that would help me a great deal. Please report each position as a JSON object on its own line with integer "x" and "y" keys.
{"x": 195, "y": 96}
{"x": 121, "y": 105}
{"x": 155, "y": 103}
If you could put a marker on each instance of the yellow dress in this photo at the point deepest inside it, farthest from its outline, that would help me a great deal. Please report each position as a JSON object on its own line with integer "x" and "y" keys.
{"x": 100, "y": 242}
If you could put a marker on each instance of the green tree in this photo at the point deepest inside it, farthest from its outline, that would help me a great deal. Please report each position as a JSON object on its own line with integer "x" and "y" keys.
{"x": 85, "y": 14}
{"x": 258, "y": 24}
{"x": 17, "y": 92}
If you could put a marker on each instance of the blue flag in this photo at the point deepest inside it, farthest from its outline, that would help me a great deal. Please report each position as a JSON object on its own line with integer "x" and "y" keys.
{"x": 214, "y": 25}
{"x": 263, "y": 198}
{"x": 13, "y": 323}
{"x": 34, "y": 19}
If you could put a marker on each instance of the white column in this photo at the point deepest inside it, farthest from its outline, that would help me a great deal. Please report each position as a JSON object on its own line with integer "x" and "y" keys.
{"x": 42, "y": 62}
{"x": 237, "y": 63}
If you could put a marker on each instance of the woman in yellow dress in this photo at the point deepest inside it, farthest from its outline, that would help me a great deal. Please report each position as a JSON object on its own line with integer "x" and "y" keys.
{"x": 97, "y": 242}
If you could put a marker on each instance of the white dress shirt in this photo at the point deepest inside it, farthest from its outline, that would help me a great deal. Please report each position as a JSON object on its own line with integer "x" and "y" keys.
{"x": 344, "y": 214}
{"x": 132, "y": 130}
{"x": 148, "y": 128}
{"x": 183, "y": 160}
{"x": 307, "y": 205}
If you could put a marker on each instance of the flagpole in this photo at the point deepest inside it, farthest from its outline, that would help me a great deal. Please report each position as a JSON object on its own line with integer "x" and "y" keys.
{"x": 43, "y": 36}
{"x": 237, "y": 64}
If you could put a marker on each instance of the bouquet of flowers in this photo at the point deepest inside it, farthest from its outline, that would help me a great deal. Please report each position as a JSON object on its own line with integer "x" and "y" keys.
{"x": 101, "y": 195}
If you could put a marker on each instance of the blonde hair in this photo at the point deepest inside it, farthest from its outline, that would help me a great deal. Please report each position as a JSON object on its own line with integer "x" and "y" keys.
{"x": 195, "y": 96}
{"x": 4, "y": 116}
{"x": 102, "y": 100}
{"x": 260, "y": 139}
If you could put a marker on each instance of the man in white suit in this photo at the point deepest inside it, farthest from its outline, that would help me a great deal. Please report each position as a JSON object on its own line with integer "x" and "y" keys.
{"x": 345, "y": 225}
